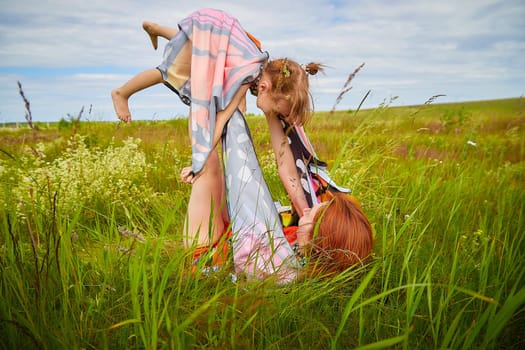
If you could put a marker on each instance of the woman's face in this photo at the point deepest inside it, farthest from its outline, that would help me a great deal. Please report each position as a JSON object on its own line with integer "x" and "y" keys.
{"x": 307, "y": 224}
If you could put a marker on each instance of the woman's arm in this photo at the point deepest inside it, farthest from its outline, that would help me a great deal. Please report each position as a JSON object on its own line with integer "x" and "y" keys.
{"x": 286, "y": 165}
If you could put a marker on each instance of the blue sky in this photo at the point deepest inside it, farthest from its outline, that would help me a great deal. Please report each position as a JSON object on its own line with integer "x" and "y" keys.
{"x": 71, "y": 54}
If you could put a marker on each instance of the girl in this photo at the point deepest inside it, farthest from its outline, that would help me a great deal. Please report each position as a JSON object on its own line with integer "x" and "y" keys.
{"x": 209, "y": 62}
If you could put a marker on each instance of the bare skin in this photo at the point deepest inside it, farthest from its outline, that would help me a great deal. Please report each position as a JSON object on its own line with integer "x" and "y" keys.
{"x": 207, "y": 212}
{"x": 307, "y": 224}
{"x": 286, "y": 165}
{"x": 283, "y": 153}
{"x": 223, "y": 116}
{"x": 143, "y": 80}
{"x": 207, "y": 209}
{"x": 121, "y": 95}
{"x": 155, "y": 30}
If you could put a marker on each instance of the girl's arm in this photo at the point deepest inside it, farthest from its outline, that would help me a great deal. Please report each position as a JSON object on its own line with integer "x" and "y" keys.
{"x": 286, "y": 165}
{"x": 225, "y": 115}
{"x": 221, "y": 119}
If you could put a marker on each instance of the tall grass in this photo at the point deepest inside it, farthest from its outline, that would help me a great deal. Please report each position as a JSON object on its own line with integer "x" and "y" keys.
{"x": 442, "y": 185}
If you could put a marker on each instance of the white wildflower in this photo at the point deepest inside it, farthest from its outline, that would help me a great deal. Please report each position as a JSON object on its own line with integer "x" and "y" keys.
{"x": 83, "y": 175}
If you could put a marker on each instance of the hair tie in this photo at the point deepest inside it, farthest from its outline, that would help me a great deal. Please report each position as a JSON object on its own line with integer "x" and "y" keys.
{"x": 310, "y": 69}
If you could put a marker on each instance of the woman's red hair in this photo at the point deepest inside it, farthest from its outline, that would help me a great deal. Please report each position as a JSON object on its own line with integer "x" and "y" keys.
{"x": 342, "y": 236}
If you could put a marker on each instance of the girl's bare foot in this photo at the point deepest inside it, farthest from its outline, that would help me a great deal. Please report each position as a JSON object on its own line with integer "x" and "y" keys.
{"x": 120, "y": 103}
{"x": 148, "y": 27}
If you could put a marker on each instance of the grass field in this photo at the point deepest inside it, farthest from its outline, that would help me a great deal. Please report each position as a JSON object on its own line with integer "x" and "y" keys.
{"x": 92, "y": 214}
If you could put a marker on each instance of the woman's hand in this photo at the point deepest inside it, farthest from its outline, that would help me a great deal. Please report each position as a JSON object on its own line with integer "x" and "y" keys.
{"x": 307, "y": 223}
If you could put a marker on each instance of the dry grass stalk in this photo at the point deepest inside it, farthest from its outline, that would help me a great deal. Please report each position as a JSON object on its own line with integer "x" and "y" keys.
{"x": 76, "y": 120}
{"x": 28, "y": 117}
{"x": 346, "y": 87}
{"x": 433, "y": 98}
{"x": 127, "y": 233}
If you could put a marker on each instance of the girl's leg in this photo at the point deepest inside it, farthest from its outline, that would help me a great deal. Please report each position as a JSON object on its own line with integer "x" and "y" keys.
{"x": 155, "y": 30}
{"x": 204, "y": 222}
{"x": 139, "y": 82}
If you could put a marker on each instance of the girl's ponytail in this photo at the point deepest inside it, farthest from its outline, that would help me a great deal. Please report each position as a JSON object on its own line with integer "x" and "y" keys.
{"x": 313, "y": 68}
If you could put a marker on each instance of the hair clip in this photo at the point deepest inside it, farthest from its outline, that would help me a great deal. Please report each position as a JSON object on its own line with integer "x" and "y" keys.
{"x": 286, "y": 72}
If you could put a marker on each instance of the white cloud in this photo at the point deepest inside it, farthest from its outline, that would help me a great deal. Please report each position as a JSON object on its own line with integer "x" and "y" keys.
{"x": 70, "y": 54}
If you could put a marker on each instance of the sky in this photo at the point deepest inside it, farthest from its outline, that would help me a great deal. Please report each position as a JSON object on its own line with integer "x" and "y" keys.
{"x": 69, "y": 55}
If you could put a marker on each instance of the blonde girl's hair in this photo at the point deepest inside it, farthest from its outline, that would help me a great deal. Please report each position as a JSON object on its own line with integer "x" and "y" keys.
{"x": 290, "y": 82}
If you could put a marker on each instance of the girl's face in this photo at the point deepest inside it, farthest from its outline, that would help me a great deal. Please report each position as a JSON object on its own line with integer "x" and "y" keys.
{"x": 267, "y": 104}
{"x": 307, "y": 224}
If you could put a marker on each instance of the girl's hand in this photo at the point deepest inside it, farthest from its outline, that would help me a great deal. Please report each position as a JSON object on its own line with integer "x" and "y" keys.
{"x": 187, "y": 175}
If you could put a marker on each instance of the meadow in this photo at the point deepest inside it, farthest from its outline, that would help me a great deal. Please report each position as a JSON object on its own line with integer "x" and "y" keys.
{"x": 92, "y": 215}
